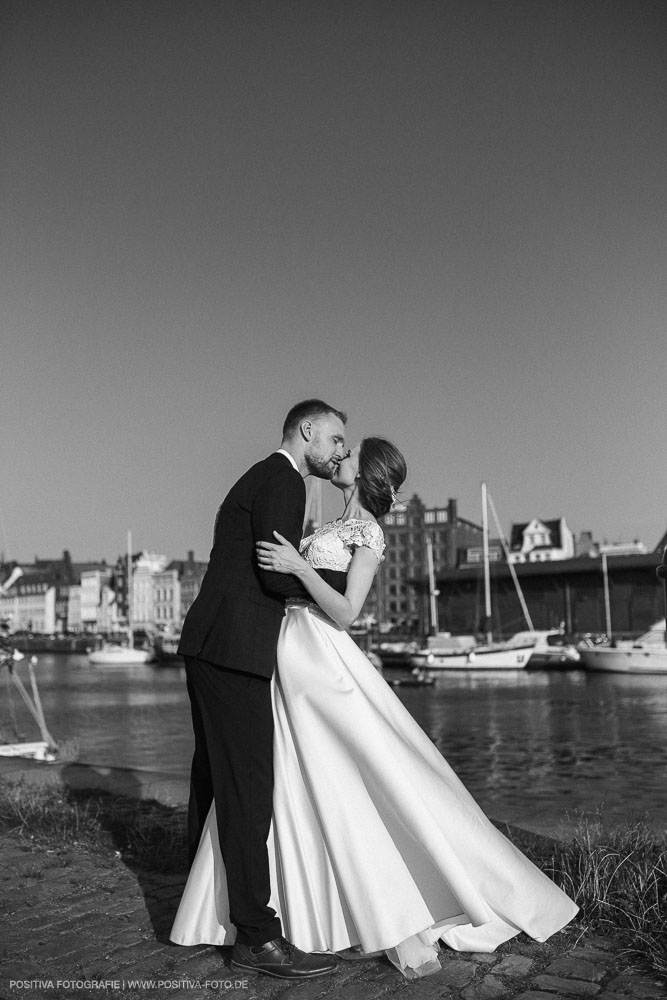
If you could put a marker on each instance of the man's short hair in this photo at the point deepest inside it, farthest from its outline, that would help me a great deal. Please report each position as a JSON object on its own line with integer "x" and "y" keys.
{"x": 308, "y": 409}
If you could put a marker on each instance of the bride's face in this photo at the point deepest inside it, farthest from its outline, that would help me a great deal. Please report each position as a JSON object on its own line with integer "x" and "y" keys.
{"x": 348, "y": 470}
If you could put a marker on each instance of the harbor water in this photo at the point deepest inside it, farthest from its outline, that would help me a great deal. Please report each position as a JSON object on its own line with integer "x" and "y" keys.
{"x": 536, "y": 748}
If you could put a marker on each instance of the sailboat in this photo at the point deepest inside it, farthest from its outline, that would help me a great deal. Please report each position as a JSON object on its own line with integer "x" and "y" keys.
{"x": 45, "y": 749}
{"x": 446, "y": 652}
{"x": 645, "y": 655}
{"x": 113, "y": 653}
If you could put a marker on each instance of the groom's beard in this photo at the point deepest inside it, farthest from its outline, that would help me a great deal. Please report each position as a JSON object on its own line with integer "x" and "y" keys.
{"x": 320, "y": 468}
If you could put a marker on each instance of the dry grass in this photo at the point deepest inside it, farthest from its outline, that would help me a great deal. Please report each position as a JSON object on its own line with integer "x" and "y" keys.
{"x": 147, "y": 834}
{"x": 616, "y": 874}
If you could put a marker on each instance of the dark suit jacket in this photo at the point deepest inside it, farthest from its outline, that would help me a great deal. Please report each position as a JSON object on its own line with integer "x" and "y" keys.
{"x": 235, "y": 619}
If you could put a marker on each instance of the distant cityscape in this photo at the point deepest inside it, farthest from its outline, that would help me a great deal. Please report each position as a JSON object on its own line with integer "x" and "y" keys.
{"x": 54, "y": 596}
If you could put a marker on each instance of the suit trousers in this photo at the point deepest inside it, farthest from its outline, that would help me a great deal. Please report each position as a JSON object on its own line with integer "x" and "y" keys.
{"x": 232, "y": 718}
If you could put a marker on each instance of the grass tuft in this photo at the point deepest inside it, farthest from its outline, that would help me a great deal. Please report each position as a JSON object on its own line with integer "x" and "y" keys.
{"x": 616, "y": 873}
{"x": 146, "y": 834}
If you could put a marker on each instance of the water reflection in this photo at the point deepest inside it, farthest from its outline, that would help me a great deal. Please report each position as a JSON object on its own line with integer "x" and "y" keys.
{"x": 534, "y": 747}
{"x": 530, "y": 746}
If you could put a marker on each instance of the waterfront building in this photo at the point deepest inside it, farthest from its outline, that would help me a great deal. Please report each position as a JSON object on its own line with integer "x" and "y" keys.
{"x": 96, "y": 600}
{"x": 541, "y": 541}
{"x": 145, "y": 566}
{"x": 167, "y": 597}
{"x": 175, "y": 588}
{"x": 585, "y": 546}
{"x": 73, "y": 618}
{"x": 565, "y": 592}
{"x": 191, "y": 575}
{"x": 635, "y": 548}
{"x": 30, "y": 604}
{"x": 23, "y": 604}
{"x": 409, "y": 527}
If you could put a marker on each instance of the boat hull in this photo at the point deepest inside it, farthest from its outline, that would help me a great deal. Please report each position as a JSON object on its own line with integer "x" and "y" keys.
{"x": 479, "y": 658}
{"x": 37, "y": 750}
{"x": 550, "y": 649}
{"x": 120, "y": 655}
{"x": 625, "y": 661}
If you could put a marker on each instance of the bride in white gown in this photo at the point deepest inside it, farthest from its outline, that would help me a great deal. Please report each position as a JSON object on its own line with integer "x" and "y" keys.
{"x": 375, "y": 844}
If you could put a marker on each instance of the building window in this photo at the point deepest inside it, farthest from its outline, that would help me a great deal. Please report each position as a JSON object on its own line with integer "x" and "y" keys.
{"x": 441, "y": 516}
{"x": 429, "y": 517}
{"x": 389, "y": 519}
{"x": 400, "y": 519}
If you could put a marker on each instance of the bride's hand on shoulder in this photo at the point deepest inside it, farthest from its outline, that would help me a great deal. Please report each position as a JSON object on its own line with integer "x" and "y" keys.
{"x": 279, "y": 557}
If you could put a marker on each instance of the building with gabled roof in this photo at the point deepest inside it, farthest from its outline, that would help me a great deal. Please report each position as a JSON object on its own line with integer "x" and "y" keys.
{"x": 541, "y": 541}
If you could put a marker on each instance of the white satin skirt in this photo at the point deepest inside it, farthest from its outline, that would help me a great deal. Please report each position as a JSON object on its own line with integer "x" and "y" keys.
{"x": 375, "y": 843}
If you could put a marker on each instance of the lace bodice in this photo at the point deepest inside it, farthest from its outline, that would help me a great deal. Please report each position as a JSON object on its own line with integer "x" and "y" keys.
{"x": 333, "y": 545}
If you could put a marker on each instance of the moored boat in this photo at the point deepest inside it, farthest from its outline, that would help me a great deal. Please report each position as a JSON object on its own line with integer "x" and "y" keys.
{"x": 165, "y": 645}
{"x": 550, "y": 648}
{"x": 446, "y": 652}
{"x": 37, "y": 750}
{"x": 115, "y": 653}
{"x": 112, "y": 653}
{"x": 396, "y": 653}
{"x": 45, "y": 749}
{"x": 459, "y": 653}
{"x": 646, "y": 655}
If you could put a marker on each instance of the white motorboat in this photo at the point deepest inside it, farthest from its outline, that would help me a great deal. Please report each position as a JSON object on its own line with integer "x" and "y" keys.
{"x": 646, "y": 655}
{"x": 111, "y": 654}
{"x": 550, "y": 648}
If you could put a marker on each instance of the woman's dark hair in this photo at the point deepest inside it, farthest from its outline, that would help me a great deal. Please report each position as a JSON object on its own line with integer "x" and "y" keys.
{"x": 382, "y": 470}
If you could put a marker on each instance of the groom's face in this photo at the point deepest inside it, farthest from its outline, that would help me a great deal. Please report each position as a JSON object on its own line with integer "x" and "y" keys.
{"x": 326, "y": 446}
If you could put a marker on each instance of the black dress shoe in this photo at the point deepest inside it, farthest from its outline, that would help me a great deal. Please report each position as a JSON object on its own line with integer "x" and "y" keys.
{"x": 282, "y": 959}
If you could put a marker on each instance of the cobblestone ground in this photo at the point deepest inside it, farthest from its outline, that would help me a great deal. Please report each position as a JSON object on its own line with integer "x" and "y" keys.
{"x": 85, "y": 925}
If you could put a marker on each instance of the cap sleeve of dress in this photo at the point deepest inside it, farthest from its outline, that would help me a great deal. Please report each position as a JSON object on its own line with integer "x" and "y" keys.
{"x": 370, "y": 535}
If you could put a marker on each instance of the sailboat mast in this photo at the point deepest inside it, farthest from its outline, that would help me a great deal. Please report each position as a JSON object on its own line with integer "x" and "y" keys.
{"x": 607, "y": 606}
{"x": 432, "y": 592}
{"x": 487, "y": 580}
{"x": 130, "y": 623}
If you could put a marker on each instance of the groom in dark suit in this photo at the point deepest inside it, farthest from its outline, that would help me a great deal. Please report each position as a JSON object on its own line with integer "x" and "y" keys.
{"x": 229, "y": 642}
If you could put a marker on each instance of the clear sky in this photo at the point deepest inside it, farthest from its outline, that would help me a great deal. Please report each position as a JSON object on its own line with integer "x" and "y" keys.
{"x": 447, "y": 217}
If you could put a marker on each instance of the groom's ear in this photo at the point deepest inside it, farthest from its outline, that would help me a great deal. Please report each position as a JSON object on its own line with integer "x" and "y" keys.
{"x": 306, "y": 429}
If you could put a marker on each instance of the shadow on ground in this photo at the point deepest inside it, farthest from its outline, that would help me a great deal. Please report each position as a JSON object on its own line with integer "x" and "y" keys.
{"x": 147, "y": 835}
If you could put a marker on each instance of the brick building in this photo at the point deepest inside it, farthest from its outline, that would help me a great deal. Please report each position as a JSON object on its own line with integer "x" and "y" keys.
{"x": 394, "y": 599}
